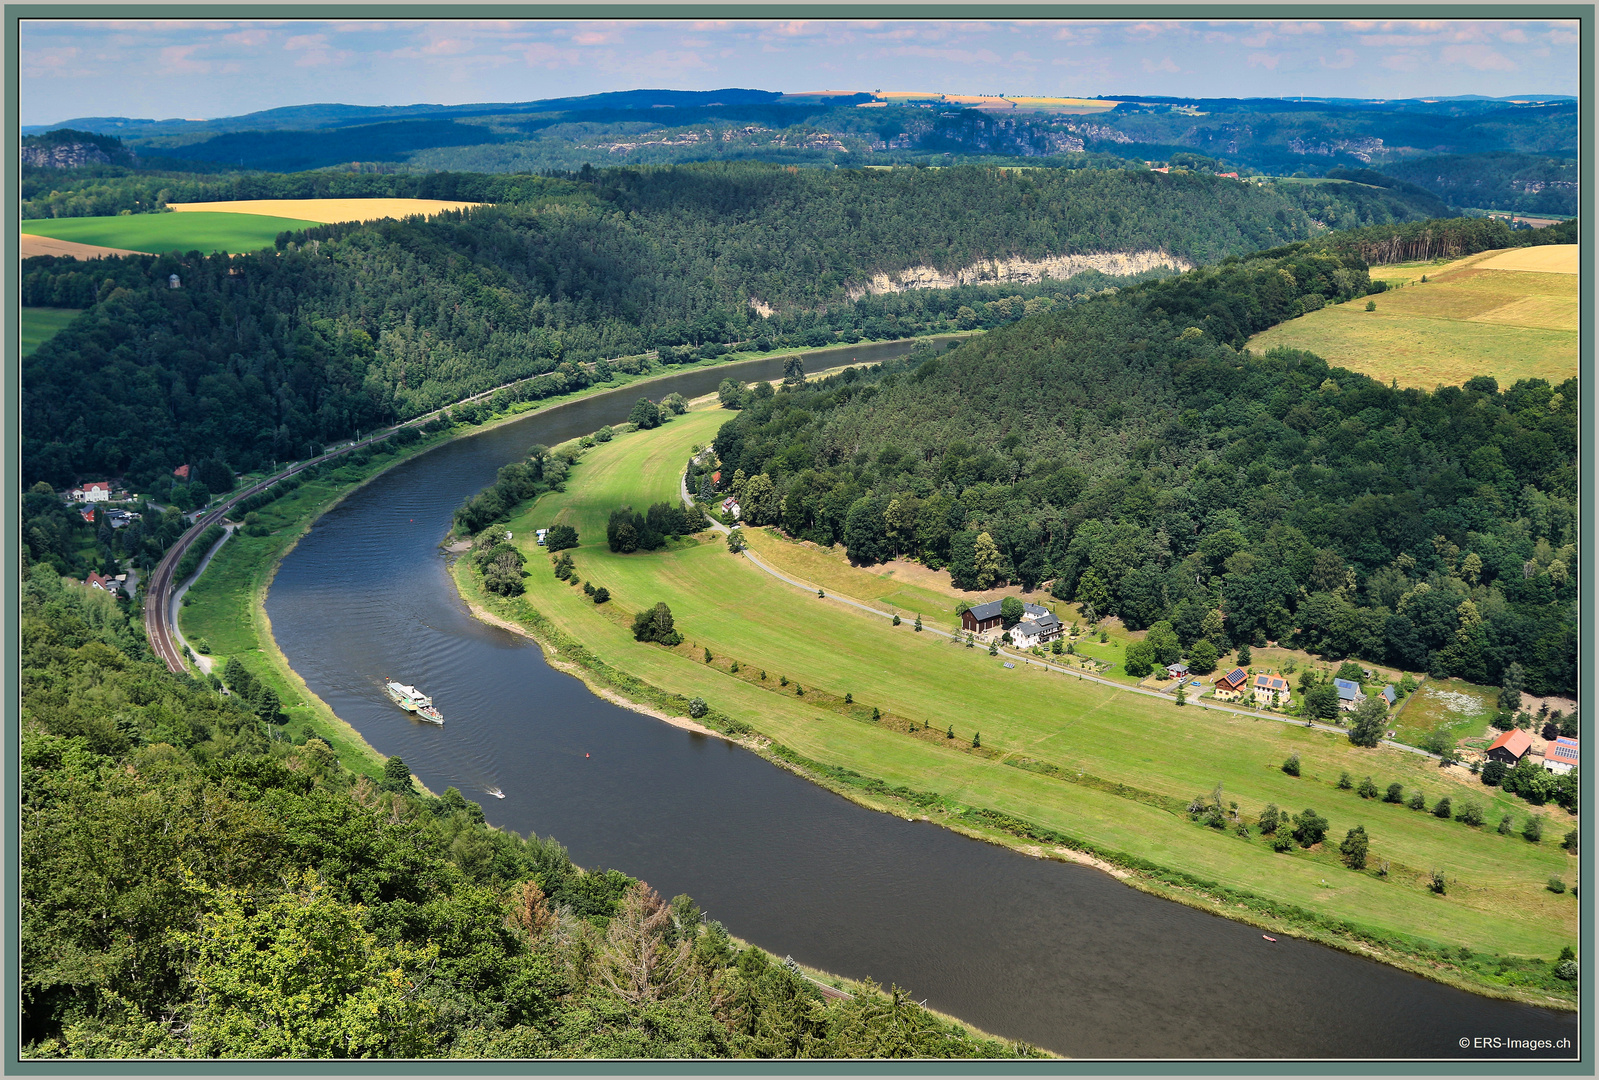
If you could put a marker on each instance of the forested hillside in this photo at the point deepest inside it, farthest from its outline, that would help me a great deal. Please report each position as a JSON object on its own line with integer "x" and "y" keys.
{"x": 1528, "y": 183}
{"x": 263, "y": 357}
{"x": 1126, "y": 451}
{"x": 194, "y": 886}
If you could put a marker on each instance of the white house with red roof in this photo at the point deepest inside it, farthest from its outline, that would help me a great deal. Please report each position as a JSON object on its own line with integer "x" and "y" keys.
{"x": 1560, "y": 756}
{"x": 94, "y": 491}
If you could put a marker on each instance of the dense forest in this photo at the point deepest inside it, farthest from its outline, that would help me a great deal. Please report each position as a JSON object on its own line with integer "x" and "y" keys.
{"x": 1527, "y": 183}
{"x": 195, "y": 886}
{"x": 1127, "y": 453}
{"x": 265, "y": 357}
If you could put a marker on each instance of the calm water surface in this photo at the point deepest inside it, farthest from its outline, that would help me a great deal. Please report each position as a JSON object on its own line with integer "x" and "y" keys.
{"x": 1057, "y": 954}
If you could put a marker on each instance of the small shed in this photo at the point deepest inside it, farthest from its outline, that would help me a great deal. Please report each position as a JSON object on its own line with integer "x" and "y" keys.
{"x": 174, "y": 282}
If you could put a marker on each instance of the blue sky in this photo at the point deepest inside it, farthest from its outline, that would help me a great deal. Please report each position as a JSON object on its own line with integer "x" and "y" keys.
{"x": 206, "y": 69}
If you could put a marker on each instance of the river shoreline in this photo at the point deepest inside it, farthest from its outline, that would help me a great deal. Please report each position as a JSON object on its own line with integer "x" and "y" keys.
{"x": 599, "y": 686}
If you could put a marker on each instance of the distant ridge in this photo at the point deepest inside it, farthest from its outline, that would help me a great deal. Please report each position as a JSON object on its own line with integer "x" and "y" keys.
{"x": 327, "y": 115}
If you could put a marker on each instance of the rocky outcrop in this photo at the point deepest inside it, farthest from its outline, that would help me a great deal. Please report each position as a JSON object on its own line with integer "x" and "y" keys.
{"x": 64, "y": 156}
{"x": 1021, "y": 271}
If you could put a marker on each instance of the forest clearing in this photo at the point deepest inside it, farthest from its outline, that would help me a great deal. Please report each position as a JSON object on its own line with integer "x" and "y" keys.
{"x": 1510, "y": 314}
{"x": 1113, "y": 768}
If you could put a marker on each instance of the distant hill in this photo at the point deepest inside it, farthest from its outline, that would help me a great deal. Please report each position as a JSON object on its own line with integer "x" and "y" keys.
{"x": 1248, "y": 135}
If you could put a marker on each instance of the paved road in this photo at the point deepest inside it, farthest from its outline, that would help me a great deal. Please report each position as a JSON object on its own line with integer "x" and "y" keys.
{"x": 1033, "y": 661}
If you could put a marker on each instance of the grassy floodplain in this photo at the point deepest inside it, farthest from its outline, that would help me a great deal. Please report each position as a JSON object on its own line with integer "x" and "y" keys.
{"x": 1093, "y": 768}
{"x": 208, "y": 232}
{"x": 37, "y": 325}
{"x": 1511, "y": 314}
{"x": 225, "y": 607}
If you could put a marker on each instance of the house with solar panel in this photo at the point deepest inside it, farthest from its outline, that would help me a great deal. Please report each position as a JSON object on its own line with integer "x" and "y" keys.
{"x": 1271, "y": 691}
{"x": 1230, "y": 687}
{"x": 1349, "y": 694}
{"x": 1560, "y": 756}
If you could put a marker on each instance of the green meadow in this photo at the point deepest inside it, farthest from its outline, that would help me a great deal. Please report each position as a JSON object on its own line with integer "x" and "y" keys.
{"x": 1461, "y": 322}
{"x": 1115, "y": 769}
{"x": 199, "y": 231}
{"x": 37, "y": 325}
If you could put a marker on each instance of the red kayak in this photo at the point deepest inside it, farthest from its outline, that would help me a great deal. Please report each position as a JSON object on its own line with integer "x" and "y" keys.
{"x": 1269, "y": 938}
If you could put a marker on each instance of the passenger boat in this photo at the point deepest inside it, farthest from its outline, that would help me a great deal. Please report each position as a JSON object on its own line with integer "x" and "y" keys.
{"x": 413, "y": 700}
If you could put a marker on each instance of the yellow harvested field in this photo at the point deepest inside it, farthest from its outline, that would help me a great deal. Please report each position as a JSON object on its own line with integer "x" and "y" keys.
{"x": 1549, "y": 259}
{"x": 48, "y": 245}
{"x": 1496, "y": 313}
{"x": 327, "y": 211}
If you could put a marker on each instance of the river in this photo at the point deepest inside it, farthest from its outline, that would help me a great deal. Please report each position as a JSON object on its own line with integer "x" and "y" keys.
{"x": 1058, "y": 954}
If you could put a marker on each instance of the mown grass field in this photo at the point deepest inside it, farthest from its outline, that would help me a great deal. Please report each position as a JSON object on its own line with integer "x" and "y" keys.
{"x": 207, "y": 232}
{"x": 1510, "y": 314}
{"x": 37, "y": 325}
{"x": 1079, "y": 740}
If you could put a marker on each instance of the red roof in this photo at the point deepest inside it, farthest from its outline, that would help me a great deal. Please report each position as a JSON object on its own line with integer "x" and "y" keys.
{"x": 88, "y": 515}
{"x": 181, "y": 472}
{"x": 1233, "y": 679}
{"x": 1518, "y": 742}
{"x": 1562, "y": 749}
{"x": 96, "y": 581}
{"x": 716, "y": 477}
{"x": 1271, "y": 682}
{"x": 97, "y": 485}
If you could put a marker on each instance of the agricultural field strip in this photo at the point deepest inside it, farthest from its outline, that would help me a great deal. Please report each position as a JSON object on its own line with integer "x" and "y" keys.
{"x": 1509, "y": 313}
{"x": 326, "y": 211}
{"x": 154, "y": 233}
{"x": 680, "y": 577}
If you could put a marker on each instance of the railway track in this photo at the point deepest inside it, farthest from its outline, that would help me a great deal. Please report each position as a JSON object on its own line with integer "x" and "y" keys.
{"x": 158, "y": 615}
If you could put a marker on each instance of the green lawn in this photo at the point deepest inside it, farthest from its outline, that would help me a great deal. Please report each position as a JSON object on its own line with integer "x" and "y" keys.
{"x": 38, "y": 325}
{"x": 1091, "y": 736}
{"x": 200, "y": 231}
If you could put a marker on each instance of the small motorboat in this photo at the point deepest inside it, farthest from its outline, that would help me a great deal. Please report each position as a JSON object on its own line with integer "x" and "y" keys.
{"x": 496, "y": 792}
{"x": 1269, "y": 938}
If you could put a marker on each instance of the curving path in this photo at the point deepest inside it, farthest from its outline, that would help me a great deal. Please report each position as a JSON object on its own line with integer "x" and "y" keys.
{"x": 1028, "y": 659}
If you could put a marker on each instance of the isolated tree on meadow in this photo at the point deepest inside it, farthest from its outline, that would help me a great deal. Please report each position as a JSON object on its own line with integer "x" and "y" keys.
{"x": 1354, "y": 848}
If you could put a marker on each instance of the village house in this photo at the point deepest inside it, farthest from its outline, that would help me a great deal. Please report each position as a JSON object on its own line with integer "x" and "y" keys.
{"x": 1039, "y": 630}
{"x": 730, "y": 507}
{"x": 1271, "y": 691}
{"x": 1176, "y": 671}
{"x": 1230, "y": 687}
{"x": 1560, "y": 756}
{"x": 1349, "y": 695}
{"x": 94, "y": 491}
{"x": 1510, "y": 747}
{"x": 103, "y": 583}
{"x": 1390, "y": 695}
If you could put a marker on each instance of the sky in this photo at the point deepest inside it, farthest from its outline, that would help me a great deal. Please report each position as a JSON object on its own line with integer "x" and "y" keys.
{"x": 207, "y": 69}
